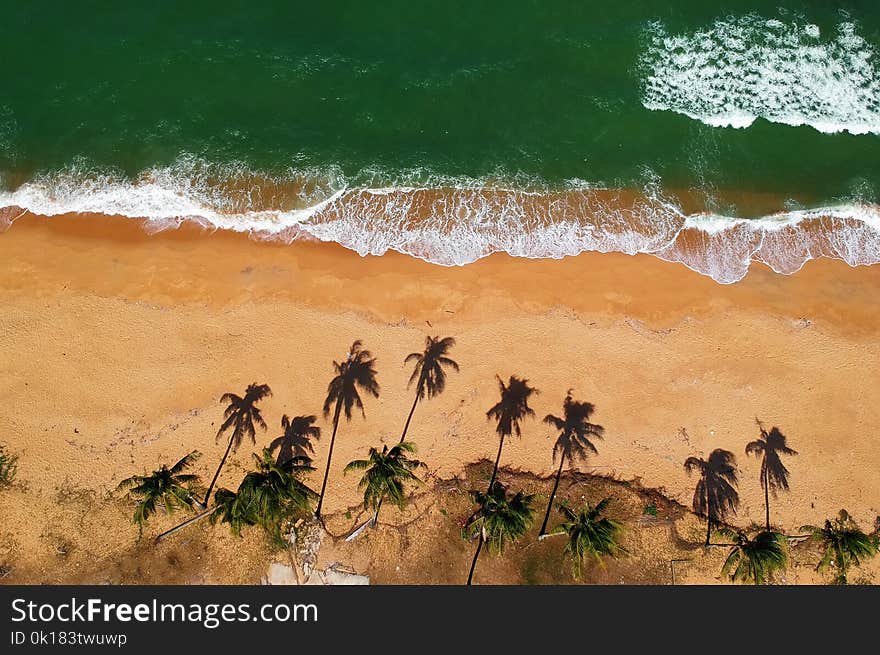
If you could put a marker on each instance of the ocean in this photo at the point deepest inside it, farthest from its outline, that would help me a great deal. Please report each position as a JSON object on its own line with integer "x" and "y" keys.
{"x": 711, "y": 134}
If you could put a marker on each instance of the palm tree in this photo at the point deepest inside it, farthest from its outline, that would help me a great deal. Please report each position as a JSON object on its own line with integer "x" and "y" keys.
{"x": 755, "y": 559}
{"x": 267, "y": 496}
{"x": 774, "y": 475}
{"x": 573, "y": 442}
{"x": 228, "y": 509}
{"x": 240, "y": 414}
{"x": 509, "y": 411}
{"x": 356, "y": 371}
{"x": 386, "y": 474}
{"x": 297, "y": 438}
{"x": 590, "y": 534}
{"x": 499, "y": 519}
{"x": 428, "y": 373}
{"x": 843, "y": 544}
{"x": 169, "y": 487}
{"x": 715, "y": 496}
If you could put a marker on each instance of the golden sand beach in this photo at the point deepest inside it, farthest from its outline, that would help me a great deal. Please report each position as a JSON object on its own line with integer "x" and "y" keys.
{"x": 116, "y": 345}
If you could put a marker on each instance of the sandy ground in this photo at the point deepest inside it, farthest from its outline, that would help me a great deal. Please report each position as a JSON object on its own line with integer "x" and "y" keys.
{"x": 115, "y": 347}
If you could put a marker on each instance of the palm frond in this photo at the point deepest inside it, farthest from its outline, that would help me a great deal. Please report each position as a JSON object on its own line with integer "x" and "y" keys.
{"x": 185, "y": 462}
{"x": 267, "y": 496}
{"x": 843, "y": 545}
{"x": 357, "y": 465}
{"x": 501, "y": 518}
{"x": 590, "y": 535}
{"x": 386, "y": 474}
{"x": 165, "y": 486}
{"x": 756, "y": 559}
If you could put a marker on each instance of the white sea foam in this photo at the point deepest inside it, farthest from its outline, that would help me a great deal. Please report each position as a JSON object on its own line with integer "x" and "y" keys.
{"x": 724, "y": 247}
{"x": 745, "y": 68}
{"x": 459, "y": 221}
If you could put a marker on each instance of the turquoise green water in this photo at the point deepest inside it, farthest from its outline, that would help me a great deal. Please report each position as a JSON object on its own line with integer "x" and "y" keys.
{"x": 547, "y": 95}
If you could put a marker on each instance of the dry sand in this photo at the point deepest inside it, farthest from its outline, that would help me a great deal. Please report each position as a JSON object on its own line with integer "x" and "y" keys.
{"x": 115, "y": 347}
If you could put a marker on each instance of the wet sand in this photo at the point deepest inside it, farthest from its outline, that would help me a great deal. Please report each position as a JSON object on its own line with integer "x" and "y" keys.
{"x": 116, "y": 345}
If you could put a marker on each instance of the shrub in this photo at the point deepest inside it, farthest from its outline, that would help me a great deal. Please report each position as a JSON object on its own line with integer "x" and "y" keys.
{"x": 8, "y": 467}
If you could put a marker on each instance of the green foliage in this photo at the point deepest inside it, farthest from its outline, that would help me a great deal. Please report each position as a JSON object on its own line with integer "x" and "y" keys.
{"x": 385, "y": 474}
{"x": 267, "y": 497}
{"x": 500, "y": 518}
{"x": 231, "y": 510}
{"x": 651, "y": 510}
{"x": 755, "y": 559}
{"x": 590, "y": 536}
{"x": 843, "y": 544}
{"x": 8, "y": 467}
{"x": 169, "y": 487}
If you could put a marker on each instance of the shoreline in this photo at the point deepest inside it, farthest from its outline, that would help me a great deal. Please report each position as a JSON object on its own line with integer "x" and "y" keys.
{"x": 458, "y": 226}
{"x": 117, "y": 345}
{"x": 606, "y": 282}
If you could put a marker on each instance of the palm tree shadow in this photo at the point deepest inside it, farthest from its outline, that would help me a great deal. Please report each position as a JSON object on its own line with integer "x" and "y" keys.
{"x": 428, "y": 373}
{"x": 715, "y": 496}
{"x": 509, "y": 412}
{"x": 774, "y": 475}
{"x": 296, "y": 440}
{"x": 356, "y": 372}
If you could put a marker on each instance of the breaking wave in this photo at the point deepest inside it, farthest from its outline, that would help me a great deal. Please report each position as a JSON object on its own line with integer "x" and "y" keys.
{"x": 744, "y": 68}
{"x": 453, "y": 222}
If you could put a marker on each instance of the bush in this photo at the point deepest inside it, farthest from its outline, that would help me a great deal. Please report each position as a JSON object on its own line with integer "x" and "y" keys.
{"x": 8, "y": 467}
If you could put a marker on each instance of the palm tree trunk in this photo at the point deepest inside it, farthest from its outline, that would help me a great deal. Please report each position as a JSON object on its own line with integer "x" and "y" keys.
{"x": 197, "y": 517}
{"x": 497, "y": 460}
{"x": 329, "y": 457}
{"x": 376, "y": 515}
{"x": 409, "y": 418}
{"x": 552, "y": 495}
{"x": 767, "y": 499}
{"x": 708, "y": 529}
{"x": 474, "y": 563}
{"x": 217, "y": 474}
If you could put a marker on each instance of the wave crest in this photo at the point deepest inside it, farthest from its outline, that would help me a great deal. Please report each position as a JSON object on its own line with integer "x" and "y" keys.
{"x": 748, "y": 67}
{"x": 458, "y": 223}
